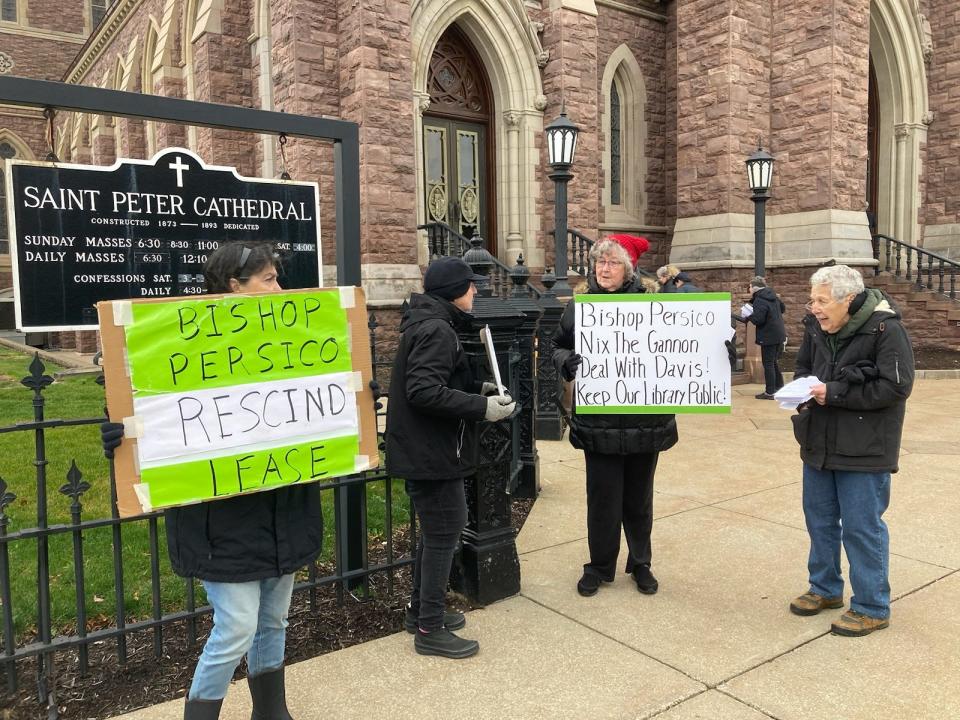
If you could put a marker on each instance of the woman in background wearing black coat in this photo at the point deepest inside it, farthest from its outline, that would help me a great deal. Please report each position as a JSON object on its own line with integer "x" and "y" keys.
{"x": 621, "y": 450}
{"x": 767, "y": 315}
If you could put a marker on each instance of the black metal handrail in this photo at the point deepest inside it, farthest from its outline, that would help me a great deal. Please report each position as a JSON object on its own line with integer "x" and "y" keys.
{"x": 899, "y": 260}
{"x": 443, "y": 240}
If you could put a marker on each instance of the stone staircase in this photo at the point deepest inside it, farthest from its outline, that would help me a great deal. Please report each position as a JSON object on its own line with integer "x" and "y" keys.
{"x": 931, "y": 318}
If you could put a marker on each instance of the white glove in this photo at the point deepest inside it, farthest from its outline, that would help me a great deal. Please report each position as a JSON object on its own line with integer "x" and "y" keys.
{"x": 746, "y": 311}
{"x": 499, "y": 408}
{"x": 489, "y": 389}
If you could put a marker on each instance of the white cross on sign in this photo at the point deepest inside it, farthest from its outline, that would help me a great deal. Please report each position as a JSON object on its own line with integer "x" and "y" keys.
{"x": 179, "y": 167}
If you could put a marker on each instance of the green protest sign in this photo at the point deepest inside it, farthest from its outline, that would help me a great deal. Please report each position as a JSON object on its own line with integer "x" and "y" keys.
{"x": 186, "y": 345}
{"x": 237, "y": 393}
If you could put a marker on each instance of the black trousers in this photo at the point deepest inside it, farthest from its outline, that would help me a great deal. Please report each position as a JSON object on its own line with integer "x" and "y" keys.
{"x": 619, "y": 493}
{"x": 441, "y": 507}
{"x": 770, "y": 356}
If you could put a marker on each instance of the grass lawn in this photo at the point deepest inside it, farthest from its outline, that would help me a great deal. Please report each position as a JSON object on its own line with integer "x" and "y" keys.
{"x": 82, "y": 397}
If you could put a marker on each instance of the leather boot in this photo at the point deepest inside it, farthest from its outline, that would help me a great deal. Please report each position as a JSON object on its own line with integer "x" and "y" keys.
{"x": 269, "y": 696}
{"x": 202, "y": 709}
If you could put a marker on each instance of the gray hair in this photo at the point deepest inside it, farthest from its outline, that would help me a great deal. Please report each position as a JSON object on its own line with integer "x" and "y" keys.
{"x": 616, "y": 250}
{"x": 668, "y": 271}
{"x": 842, "y": 279}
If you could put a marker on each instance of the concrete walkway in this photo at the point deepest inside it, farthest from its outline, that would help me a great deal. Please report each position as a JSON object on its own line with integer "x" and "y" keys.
{"x": 717, "y": 641}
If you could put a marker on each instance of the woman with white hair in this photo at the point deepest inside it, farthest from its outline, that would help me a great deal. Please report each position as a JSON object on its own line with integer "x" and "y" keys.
{"x": 621, "y": 451}
{"x": 849, "y": 435}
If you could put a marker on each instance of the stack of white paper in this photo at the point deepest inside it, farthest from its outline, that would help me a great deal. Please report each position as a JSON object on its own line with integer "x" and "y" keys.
{"x": 796, "y": 392}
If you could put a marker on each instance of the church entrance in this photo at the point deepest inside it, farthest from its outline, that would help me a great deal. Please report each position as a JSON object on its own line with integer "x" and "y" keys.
{"x": 457, "y": 141}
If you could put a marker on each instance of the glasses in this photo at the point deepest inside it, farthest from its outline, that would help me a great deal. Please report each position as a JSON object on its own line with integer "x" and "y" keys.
{"x": 607, "y": 263}
{"x": 819, "y": 303}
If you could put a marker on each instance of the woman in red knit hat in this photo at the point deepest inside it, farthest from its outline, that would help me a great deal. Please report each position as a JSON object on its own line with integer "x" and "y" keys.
{"x": 621, "y": 450}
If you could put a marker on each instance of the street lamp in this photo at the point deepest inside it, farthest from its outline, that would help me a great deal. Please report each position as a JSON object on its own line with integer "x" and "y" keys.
{"x": 561, "y": 146}
{"x": 759, "y": 178}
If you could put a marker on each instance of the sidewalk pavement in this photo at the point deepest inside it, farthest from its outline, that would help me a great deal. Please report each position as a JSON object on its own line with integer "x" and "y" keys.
{"x": 717, "y": 641}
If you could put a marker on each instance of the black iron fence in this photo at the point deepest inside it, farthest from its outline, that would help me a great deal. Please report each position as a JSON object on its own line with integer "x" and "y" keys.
{"x": 44, "y": 638}
{"x": 926, "y": 269}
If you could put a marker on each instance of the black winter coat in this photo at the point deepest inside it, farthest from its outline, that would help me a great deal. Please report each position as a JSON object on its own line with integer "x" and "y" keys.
{"x": 247, "y": 537}
{"x": 434, "y": 399}
{"x": 868, "y": 383}
{"x": 611, "y": 434}
{"x": 768, "y": 317}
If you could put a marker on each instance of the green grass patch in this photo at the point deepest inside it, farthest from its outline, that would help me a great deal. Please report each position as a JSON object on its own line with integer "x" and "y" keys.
{"x": 82, "y": 397}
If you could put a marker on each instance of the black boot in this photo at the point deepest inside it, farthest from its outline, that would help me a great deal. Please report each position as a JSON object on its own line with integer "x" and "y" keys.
{"x": 269, "y": 696}
{"x": 202, "y": 709}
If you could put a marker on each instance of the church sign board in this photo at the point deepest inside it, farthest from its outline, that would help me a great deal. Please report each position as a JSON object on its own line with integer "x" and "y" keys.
{"x": 81, "y": 234}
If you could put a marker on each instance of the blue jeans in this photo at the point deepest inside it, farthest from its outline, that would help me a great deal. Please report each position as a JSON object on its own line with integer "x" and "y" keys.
{"x": 848, "y": 507}
{"x": 248, "y": 618}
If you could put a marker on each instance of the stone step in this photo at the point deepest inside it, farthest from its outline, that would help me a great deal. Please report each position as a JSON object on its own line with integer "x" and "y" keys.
{"x": 953, "y": 315}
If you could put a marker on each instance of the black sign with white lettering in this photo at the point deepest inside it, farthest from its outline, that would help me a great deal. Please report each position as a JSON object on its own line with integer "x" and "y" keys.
{"x": 84, "y": 233}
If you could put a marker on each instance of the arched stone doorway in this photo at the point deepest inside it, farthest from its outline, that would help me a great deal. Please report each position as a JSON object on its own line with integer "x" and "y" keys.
{"x": 508, "y": 49}
{"x": 458, "y": 147}
{"x": 898, "y": 117}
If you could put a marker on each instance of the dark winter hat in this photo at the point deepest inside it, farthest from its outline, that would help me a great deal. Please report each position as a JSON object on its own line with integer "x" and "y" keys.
{"x": 758, "y": 282}
{"x": 449, "y": 278}
{"x": 633, "y": 244}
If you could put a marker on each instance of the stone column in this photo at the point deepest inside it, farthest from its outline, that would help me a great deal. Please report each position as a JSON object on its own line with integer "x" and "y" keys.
{"x": 512, "y": 120}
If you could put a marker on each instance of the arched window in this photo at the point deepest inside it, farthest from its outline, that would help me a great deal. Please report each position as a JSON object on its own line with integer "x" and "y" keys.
{"x": 625, "y": 134}
{"x": 146, "y": 83}
{"x": 616, "y": 167}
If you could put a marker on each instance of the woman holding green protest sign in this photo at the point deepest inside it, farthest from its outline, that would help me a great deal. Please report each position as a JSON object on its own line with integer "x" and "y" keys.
{"x": 246, "y": 548}
{"x": 621, "y": 450}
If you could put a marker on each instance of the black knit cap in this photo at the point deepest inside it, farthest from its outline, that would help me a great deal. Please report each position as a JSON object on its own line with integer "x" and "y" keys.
{"x": 449, "y": 278}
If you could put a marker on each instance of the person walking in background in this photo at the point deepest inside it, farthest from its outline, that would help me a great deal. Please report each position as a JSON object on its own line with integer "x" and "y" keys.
{"x": 245, "y": 549}
{"x": 665, "y": 276}
{"x": 621, "y": 451}
{"x": 849, "y": 433}
{"x": 434, "y": 403}
{"x": 766, "y": 312}
{"x": 683, "y": 283}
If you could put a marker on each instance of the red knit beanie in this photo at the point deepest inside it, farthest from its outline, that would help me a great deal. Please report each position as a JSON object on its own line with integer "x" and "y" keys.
{"x": 633, "y": 244}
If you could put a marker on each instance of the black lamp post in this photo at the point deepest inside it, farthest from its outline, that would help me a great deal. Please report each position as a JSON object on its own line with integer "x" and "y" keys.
{"x": 561, "y": 146}
{"x": 759, "y": 178}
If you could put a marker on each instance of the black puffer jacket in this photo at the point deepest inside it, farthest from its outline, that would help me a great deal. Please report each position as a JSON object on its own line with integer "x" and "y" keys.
{"x": 611, "y": 434}
{"x": 768, "y": 317}
{"x": 434, "y": 399}
{"x": 247, "y": 537}
{"x": 869, "y": 377}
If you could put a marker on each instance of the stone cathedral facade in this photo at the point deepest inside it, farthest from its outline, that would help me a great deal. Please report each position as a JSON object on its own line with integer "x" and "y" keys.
{"x": 858, "y": 100}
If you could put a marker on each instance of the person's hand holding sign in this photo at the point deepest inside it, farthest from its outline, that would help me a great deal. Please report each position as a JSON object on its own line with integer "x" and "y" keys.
{"x": 571, "y": 365}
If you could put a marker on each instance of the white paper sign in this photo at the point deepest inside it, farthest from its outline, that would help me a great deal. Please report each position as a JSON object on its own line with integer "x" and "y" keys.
{"x": 208, "y": 422}
{"x": 652, "y": 353}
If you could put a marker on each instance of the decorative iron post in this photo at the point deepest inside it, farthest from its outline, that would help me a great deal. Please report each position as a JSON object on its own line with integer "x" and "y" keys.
{"x": 549, "y": 423}
{"x": 528, "y": 485}
{"x": 489, "y": 568}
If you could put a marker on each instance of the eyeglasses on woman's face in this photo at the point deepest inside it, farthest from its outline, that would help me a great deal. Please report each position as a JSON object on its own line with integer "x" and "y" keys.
{"x": 603, "y": 262}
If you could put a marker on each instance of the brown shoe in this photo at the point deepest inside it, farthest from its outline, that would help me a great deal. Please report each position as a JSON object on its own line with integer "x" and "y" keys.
{"x": 854, "y": 624}
{"x": 811, "y": 603}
